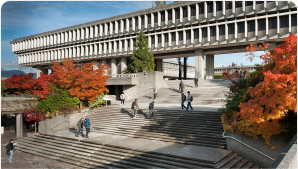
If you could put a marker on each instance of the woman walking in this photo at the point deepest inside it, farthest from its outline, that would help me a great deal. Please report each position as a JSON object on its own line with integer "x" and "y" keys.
{"x": 154, "y": 94}
{"x": 122, "y": 98}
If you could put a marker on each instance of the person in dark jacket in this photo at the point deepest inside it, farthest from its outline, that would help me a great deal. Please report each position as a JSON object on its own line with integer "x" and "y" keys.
{"x": 196, "y": 82}
{"x": 151, "y": 108}
{"x": 10, "y": 148}
{"x": 87, "y": 126}
{"x": 183, "y": 99}
{"x": 80, "y": 126}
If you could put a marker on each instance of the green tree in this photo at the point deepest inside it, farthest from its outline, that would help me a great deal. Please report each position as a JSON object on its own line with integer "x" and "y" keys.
{"x": 158, "y": 3}
{"x": 142, "y": 59}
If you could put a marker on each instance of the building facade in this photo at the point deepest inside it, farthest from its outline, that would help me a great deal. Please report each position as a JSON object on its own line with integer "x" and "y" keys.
{"x": 180, "y": 29}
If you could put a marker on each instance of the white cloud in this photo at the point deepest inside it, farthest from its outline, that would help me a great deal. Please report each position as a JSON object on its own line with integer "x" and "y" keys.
{"x": 15, "y": 66}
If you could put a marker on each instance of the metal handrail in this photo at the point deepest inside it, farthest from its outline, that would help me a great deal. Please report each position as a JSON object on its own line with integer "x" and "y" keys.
{"x": 75, "y": 115}
{"x": 223, "y": 134}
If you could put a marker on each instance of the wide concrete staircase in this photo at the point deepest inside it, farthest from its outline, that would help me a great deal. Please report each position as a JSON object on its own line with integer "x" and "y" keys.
{"x": 192, "y": 128}
{"x": 208, "y": 92}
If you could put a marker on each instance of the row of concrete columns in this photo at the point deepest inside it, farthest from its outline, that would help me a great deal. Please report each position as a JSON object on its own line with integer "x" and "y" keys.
{"x": 200, "y": 65}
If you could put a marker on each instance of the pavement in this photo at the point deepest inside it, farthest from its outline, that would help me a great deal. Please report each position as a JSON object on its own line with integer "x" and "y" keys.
{"x": 207, "y": 154}
{"x": 26, "y": 161}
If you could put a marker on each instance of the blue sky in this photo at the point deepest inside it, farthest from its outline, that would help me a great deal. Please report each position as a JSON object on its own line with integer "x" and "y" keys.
{"x": 24, "y": 18}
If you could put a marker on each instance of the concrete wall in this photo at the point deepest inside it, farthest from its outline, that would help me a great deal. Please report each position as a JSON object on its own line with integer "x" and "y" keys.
{"x": 258, "y": 144}
{"x": 48, "y": 123}
{"x": 288, "y": 157}
{"x": 146, "y": 82}
{"x": 17, "y": 105}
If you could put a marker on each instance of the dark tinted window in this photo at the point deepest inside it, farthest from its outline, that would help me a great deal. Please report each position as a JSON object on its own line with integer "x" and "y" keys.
{"x": 259, "y": 2}
{"x": 210, "y": 7}
{"x": 231, "y": 28}
{"x": 284, "y": 21}
{"x": 218, "y": 5}
{"x": 213, "y": 31}
{"x": 201, "y": 8}
{"x": 222, "y": 30}
{"x": 238, "y": 4}
{"x": 249, "y": 3}
{"x": 294, "y": 19}
{"x": 272, "y": 23}
{"x": 204, "y": 32}
{"x": 251, "y": 26}
{"x": 241, "y": 27}
{"x": 196, "y": 32}
{"x": 262, "y": 24}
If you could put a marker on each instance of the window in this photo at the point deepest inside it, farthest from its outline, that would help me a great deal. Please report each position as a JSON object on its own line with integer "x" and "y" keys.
{"x": 173, "y": 36}
{"x": 180, "y": 36}
{"x": 262, "y": 24}
{"x": 231, "y": 28}
{"x": 170, "y": 15}
{"x": 249, "y": 3}
{"x": 185, "y": 12}
{"x": 209, "y": 7}
{"x": 218, "y": 5}
{"x": 177, "y": 13}
{"x": 188, "y": 35}
{"x": 284, "y": 21}
{"x": 229, "y": 5}
{"x": 166, "y": 38}
{"x": 259, "y": 2}
{"x": 193, "y": 10}
{"x": 221, "y": 30}
{"x": 159, "y": 38}
{"x": 163, "y": 17}
{"x": 241, "y": 27}
{"x": 152, "y": 39}
{"x": 149, "y": 18}
{"x": 294, "y": 19}
{"x": 213, "y": 31}
{"x": 238, "y": 4}
{"x": 196, "y": 31}
{"x": 155, "y": 18}
{"x": 272, "y": 23}
{"x": 204, "y": 32}
{"x": 251, "y": 26}
{"x": 201, "y": 8}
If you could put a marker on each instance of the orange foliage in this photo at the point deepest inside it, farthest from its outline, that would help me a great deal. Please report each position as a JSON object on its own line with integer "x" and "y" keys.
{"x": 272, "y": 98}
{"x": 84, "y": 83}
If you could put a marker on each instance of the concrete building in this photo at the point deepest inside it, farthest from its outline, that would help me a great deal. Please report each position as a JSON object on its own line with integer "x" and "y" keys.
{"x": 180, "y": 29}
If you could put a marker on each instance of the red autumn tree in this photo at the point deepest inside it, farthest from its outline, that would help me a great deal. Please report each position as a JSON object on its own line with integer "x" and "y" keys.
{"x": 41, "y": 85}
{"x": 32, "y": 115}
{"x": 272, "y": 99}
{"x": 20, "y": 83}
{"x": 82, "y": 82}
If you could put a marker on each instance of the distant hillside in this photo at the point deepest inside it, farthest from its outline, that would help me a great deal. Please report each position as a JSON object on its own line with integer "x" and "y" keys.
{"x": 9, "y": 73}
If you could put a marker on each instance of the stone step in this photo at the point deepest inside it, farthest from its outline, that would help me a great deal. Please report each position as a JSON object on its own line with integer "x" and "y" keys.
{"x": 241, "y": 163}
{"x": 231, "y": 163}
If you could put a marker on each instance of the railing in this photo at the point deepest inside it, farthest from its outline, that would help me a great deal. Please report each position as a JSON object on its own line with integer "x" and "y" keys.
{"x": 223, "y": 134}
{"x": 75, "y": 115}
{"x": 124, "y": 75}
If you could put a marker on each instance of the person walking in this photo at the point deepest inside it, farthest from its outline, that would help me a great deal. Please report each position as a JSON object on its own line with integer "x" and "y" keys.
{"x": 196, "y": 82}
{"x": 154, "y": 93}
{"x": 189, "y": 100}
{"x": 9, "y": 148}
{"x": 183, "y": 99}
{"x": 87, "y": 125}
{"x": 240, "y": 73}
{"x": 244, "y": 74}
{"x": 151, "y": 108}
{"x": 180, "y": 85}
{"x": 135, "y": 106}
{"x": 122, "y": 98}
{"x": 80, "y": 126}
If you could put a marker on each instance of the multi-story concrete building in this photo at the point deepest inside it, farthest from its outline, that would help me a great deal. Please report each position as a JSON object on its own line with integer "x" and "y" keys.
{"x": 180, "y": 29}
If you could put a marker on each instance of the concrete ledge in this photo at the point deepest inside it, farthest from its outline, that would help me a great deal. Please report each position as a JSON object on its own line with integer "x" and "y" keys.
{"x": 122, "y": 81}
{"x": 288, "y": 157}
{"x": 259, "y": 144}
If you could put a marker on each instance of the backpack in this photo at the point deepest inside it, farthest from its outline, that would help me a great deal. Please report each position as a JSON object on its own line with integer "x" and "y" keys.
{"x": 121, "y": 97}
{"x": 7, "y": 148}
{"x": 180, "y": 84}
{"x": 191, "y": 98}
{"x": 150, "y": 105}
{"x": 85, "y": 123}
{"x": 133, "y": 105}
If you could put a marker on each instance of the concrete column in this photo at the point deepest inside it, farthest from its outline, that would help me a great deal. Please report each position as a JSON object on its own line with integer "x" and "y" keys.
{"x": 152, "y": 20}
{"x": 162, "y": 40}
{"x": 177, "y": 38}
{"x": 278, "y": 24}
{"x": 158, "y": 18}
{"x": 113, "y": 66}
{"x": 233, "y": 7}
{"x": 184, "y": 37}
{"x": 173, "y": 16}
{"x": 149, "y": 41}
{"x": 95, "y": 49}
{"x": 265, "y": 4}
{"x": 217, "y": 33}
{"x": 139, "y": 22}
{"x": 127, "y": 25}
{"x": 170, "y": 39}
{"x": 111, "y": 27}
{"x": 41, "y": 70}
{"x": 209, "y": 66}
{"x": 188, "y": 12}
{"x": 267, "y": 25}
{"x": 290, "y": 23}
{"x": 191, "y": 36}
{"x": 121, "y": 25}
{"x": 208, "y": 33}
{"x": 120, "y": 45}
{"x": 131, "y": 45}
{"x": 100, "y": 48}
{"x": 200, "y": 35}
{"x": 19, "y": 126}
{"x": 117, "y": 92}
{"x": 166, "y": 17}
{"x": 214, "y": 8}
{"x": 106, "y": 29}
{"x": 199, "y": 63}
{"x": 243, "y": 6}
{"x": 123, "y": 63}
{"x": 236, "y": 30}
{"x": 226, "y": 31}
{"x": 197, "y": 11}
{"x": 125, "y": 45}
{"x": 133, "y": 23}
{"x": 110, "y": 47}
{"x": 82, "y": 50}
{"x": 96, "y": 31}
{"x": 146, "y": 21}
{"x": 100, "y": 29}
{"x": 104, "y": 47}
{"x": 115, "y": 47}
{"x": 254, "y": 5}
{"x": 70, "y": 36}
{"x": 116, "y": 26}
{"x": 91, "y": 32}
{"x": 159, "y": 64}
{"x": 181, "y": 14}
{"x": 205, "y": 9}
{"x": 155, "y": 41}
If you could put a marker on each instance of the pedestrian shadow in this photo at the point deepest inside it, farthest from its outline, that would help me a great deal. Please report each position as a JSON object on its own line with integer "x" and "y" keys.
{"x": 175, "y": 90}
{"x": 73, "y": 130}
{"x": 124, "y": 111}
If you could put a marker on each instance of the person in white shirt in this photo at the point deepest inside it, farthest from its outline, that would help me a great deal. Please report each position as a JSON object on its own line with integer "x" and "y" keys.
{"x": 189, "y": 100}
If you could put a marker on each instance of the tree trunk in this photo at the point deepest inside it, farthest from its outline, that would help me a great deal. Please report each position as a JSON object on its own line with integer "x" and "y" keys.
{"x": 180, "y": 69}
{"x": 35, "y": 127}
{"x": 185, "y": 68}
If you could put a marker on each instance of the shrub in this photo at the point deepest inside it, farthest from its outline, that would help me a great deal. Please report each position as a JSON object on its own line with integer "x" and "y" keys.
{"x": 52, "y": 104}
